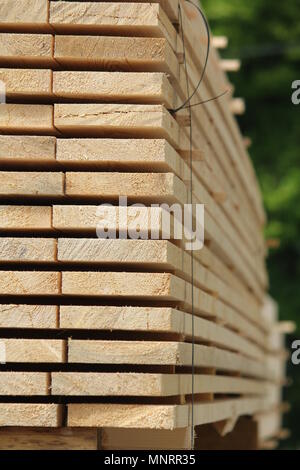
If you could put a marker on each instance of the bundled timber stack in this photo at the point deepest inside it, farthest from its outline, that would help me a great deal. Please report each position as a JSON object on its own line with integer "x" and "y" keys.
{"x": 100, "y": 336}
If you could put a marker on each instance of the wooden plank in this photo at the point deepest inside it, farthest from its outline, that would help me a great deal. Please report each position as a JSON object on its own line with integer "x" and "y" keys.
{"x": 152, "y": 319}
{"x": 24, "y": 383}
{"x": 34, "y": 184}
{"x": 34, "y": 50}
{"x": 25, "y": 218}
{"x": 127, "y": 87}
{"x": 125, "y": 120}
{"x": 27, "y": 118}
{"x": 148, "y": 385}
{"x": 24, "y": 250}
{"x": 27, "y": 15}
{"x": 29, "y": 283}
{"x": 30, "y": 415}
{"x": 243, "y": 437}
{"x": 28, "y": 316}
{"x": 145, "y": 439}
{"x": 115, "y": 53}
{"x": 138, "y": 187}
{"x": 169, "y": 6}
{"x": 34, "y": 350}
{"x": 269, "y": 424}
{"x": 159, "y": 416}
{"x": 27, "y": 149}
{"x": 48, "y": 439}
{"x": 26, "y": 83}
{"x": 164, "y": 353}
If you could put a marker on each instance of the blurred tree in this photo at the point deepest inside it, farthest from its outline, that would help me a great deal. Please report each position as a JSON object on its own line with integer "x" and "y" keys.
{"x": 265, "y": 35}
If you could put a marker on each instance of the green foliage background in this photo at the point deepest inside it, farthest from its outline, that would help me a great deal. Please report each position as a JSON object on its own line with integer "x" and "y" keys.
{"x": 265, "y": 35}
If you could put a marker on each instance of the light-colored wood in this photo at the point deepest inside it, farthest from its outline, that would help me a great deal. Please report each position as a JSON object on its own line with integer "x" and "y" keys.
{"x": 31, "y": 15}
{"x": 26, "y": 83}
{"x": 145, "y": 439}
{"x": 27, "y": 218}
{"x": 117, "y": 53}
{"x": 28, "y": 316}
{"x": 24, "y": 383}
{"x": 29, "y": 283}
{"x": 159, "y": 416}
{"x": 238, "y": 106}
{"x": 152, "y": 319}
{"x": 24, "y": 250}
{"x": 48, "y": 439}
{"x": 26, "y": 49}
{"x": 220, "y": 42}
{"x": 27, "y": 149}
{"x": 269, "y": 424}
{"x": 119, "y": 86}
{"x": 34, "y": 184}
{"x": 164, "y": 353}
{"x": 30, "y": 415}
{"x": 27, "y": 118}
{"x": 138, "y": 187}
{"x": 149, "y": 385}
{"x": 117, "y": 120}
{"x": 230, "y": 65}
{"x": 34, "y": 350}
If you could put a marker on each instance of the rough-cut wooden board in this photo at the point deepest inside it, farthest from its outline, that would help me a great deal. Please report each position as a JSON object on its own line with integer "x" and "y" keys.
{"x": 160, "y": 416}
{"x": 27, "y": 149}
{"x": 170, "y": 7}
{"x": 27, "y": 218}
{"x": 153, "y": 88}
{"x": 48, "y": 439}
{"x": 143, "y": 154}
{"x": 34, "y": 350}
{"x": 26, "y": 83}
{"x": 117, "y": 120}
{"x": 35, "y": 184}
{"x": 269, "y": 424}
{"x": 26, "y": 49}
{"x": 151, "y": 319}
{"x": 29, "y": 283}
{"x": 164, "y": 353}
{"x": 27, "y": 118}
{"x": 23, "y": 250}
{"x": 85, "y": 218}
{"x": 116, "y": 53}
{"x": 138, "y": 187}
{"x": 24, "y": 15}
{"x": 28, "y": 316}
{"x": 24, "y": 383}
{"x": 30, "y": 415}
{"x": 148, "y": 385}
{"x": 145, "y": 439}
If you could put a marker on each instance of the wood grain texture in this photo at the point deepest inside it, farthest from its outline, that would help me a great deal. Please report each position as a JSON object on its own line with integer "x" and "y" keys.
{"x": 27, "y": 14}
{"x": 29, "y": 283}
{"x": 26, "y": 83}
{"x": 26, "y": 118}
{"x": 25, "y": 218}
{"x": 149, "y": 385}
{"x": 24, "y": 383}
{"x": 160, "y": 416}
{"x": 30, "y": 415}
{"x": 34, "y": 350}
{"x": 121, "y": 87}
{"x": 28, "y": 316}
{"x": 117, "y": 120}
{"x": 27, "y": 149}
{"x": 26, "y": 49}
{"x": 165, "y": 353}
{"x": 33, "y": 184}
{"x": 24, "y": 250}
{"x": 48, "y": 439}
{"x": 116, "y": 53}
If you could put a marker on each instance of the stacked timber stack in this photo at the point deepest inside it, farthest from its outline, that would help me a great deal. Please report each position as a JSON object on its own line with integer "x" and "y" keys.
{"x": 97, "y": 334}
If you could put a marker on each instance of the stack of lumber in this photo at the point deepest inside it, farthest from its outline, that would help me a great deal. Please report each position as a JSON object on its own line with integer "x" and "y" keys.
{"x": 97, "y": 334}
